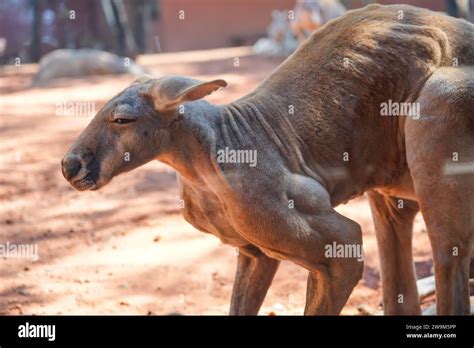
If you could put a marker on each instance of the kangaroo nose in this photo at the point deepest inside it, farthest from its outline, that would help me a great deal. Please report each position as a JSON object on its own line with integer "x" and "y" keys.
{"x": 70, "y": 167}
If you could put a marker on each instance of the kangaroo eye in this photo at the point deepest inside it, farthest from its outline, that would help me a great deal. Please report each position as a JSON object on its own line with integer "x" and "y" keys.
{"x": 123, "y": 120}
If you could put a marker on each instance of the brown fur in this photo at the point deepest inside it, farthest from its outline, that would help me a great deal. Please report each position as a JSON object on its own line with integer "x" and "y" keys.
{"x": 336, "y": 82}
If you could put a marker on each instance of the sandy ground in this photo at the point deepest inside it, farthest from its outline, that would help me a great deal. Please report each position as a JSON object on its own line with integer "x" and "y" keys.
{"x": 126, "y": 249}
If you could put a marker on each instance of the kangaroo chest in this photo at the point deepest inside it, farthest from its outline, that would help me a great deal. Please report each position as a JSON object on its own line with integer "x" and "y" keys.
{"x": 206, "y": 212}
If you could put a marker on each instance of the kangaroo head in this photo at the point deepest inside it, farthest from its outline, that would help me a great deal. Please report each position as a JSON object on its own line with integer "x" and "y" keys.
{"x": 130, "y": 130}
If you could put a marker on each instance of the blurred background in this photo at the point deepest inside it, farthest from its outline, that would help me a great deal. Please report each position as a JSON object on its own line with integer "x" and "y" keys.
{"x": 31, "y": 28}
{"x": 126, "y": 249}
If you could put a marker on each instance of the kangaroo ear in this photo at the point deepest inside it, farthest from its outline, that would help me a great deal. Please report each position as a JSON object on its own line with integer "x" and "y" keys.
{"x": 167, "y": 93}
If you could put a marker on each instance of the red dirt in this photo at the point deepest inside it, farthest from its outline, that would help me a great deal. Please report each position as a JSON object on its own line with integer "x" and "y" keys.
{"x": 125, "y": 249}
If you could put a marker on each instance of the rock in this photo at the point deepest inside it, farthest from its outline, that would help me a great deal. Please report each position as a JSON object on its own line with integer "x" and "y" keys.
{"x": 426, "y": 287}
{"x": 24, "y": 292}
{"x": 282, "y": 32}
{"x": 280, "y": 41}
{"x": 83, "y": 62}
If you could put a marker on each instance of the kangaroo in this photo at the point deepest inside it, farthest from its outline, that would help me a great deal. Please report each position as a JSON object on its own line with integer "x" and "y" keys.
{"x": 328, "y": 125}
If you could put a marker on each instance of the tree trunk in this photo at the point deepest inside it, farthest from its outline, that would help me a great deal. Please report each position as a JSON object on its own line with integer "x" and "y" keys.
{"x": 35, "y": 46}
{"x": 116, "y": 16}
{"x": 141, "y": 22}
